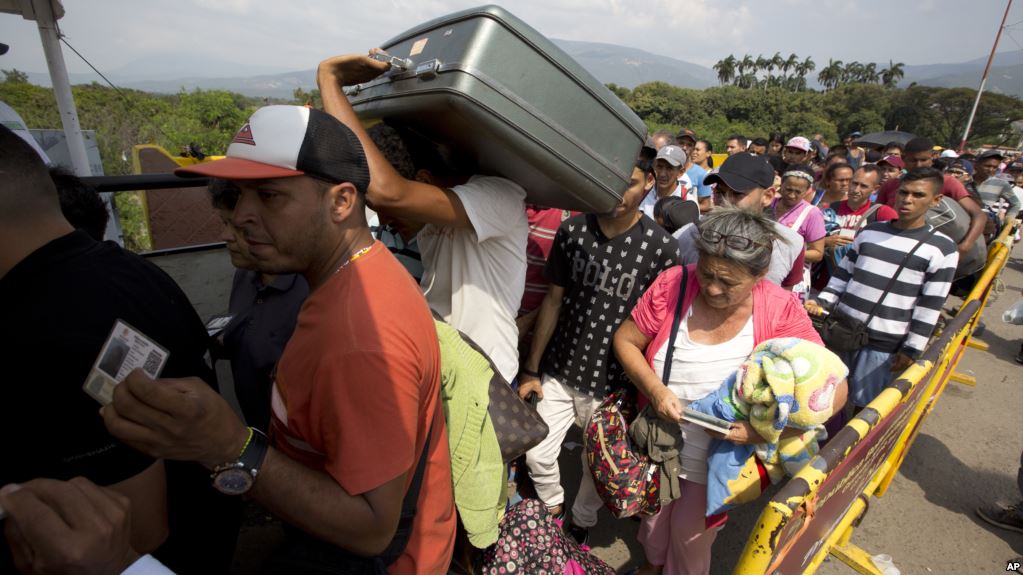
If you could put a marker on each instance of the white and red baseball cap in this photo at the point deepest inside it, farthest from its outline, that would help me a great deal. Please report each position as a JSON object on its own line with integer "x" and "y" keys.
{"x": 287, "y": 141}
{"x": 799, "y": 143}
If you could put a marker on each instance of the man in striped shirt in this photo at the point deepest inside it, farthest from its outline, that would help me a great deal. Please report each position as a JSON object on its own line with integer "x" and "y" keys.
{"x": 899, "y": 322}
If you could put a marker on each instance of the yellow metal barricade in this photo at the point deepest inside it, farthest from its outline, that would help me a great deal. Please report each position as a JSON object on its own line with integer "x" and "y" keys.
{"x": 815, "y": 513}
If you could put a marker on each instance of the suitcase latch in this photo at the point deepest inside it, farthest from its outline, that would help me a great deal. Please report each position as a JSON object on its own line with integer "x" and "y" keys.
{"x": 428, "y": 70}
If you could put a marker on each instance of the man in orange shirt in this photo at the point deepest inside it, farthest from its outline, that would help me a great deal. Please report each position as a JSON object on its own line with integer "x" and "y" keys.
{"x": 357, "y": 465}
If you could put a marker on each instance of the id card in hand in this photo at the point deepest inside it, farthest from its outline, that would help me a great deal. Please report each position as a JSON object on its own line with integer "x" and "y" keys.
{"x": 125, "y": 350}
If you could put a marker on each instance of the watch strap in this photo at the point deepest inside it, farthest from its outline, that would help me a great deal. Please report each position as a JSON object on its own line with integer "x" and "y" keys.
{"x": 252, "y": 456}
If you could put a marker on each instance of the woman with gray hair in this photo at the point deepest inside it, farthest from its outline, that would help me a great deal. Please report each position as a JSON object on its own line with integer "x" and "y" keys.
{"x": 720, "y": 309}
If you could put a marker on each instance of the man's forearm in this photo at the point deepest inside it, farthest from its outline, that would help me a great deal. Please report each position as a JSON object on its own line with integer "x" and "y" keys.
{"x": 526, "y": 321}
{"x": 977, "y": 221}
{"x": 313, "y": 501}
{"x": 546, "y": 321}
{"x": 383, "y": 177}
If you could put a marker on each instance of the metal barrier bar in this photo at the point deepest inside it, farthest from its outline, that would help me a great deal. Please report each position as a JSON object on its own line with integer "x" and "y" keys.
{"x": 815, "y": 513}
{"x": 137, "y": 182}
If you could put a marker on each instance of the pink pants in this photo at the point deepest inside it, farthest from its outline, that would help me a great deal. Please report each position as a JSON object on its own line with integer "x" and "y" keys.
{"x": 677, "y": 538}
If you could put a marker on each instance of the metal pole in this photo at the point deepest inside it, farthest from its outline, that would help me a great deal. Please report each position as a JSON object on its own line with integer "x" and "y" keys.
{"x": 61, "y": 86}
{"x": 983, "y": 80}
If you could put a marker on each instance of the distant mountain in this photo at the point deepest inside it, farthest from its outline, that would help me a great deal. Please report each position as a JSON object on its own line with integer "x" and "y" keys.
{"x": 621, "y": 65}
{"x": 610, "y": 63}
{"x": 1006, "y": 74}
{"x": 630, "y": 67}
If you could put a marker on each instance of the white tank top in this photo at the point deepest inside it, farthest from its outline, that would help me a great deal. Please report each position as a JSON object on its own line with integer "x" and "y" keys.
{"x": 697, "y": 370}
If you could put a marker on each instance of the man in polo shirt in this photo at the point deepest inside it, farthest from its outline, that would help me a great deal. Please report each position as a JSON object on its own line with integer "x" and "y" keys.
{"x": 917, "y": 154}
{"x": 747, "y": 181}
{"x": 599, "y": 266}
{"x": 345, "y": 458}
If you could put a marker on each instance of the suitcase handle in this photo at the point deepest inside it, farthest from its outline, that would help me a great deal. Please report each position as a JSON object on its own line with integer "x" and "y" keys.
{"x": 397, "y": 64}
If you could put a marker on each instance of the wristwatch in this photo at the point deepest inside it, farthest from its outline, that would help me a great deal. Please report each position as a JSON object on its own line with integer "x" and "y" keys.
{"x": 237, "y": 477}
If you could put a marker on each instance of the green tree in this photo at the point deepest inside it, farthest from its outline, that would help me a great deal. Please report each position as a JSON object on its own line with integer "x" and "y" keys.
{"x": 891, "y": 75}
{"x": 831, "y": 75}
{"x": 15, "y": 76}
{"x": 726, "y": 69}
{"x": 311, "y": 98}
{"x": 621, "y": 91}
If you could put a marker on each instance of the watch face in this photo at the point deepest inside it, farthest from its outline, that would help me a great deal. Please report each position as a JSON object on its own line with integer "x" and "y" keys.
{"x": 233, "y": 481}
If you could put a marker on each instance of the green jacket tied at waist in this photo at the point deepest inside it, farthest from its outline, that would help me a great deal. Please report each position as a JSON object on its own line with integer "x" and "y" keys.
{"x": 477, "y": 470}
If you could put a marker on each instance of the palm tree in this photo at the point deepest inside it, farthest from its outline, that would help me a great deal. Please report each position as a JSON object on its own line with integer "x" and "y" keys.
{"x": 808, "y": 66}
{"x": 725, "y": 69}
{"x": 802, "y": 69}
{"x": 789, "y": 64}
{"x": 870, "y": 75}
{"x": 748, "y": 64}
{"x": 891, "y": 75}
{"x": 831, "y": 76}
{"x": 761, "y": 64}
{"x": 777, "y": 61}
{"x": 852, "y": 73}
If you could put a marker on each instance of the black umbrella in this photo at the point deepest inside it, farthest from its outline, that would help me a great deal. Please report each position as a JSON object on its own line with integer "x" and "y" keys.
{"x": 881, "y": 139}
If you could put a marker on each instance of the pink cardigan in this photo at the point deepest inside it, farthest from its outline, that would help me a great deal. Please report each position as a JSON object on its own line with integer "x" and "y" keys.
{"x": 776, "y": 311}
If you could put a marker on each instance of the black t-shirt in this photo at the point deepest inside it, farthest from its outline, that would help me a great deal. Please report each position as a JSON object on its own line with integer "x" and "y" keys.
{"x": 59, "y": 305}
{"x": 603, "y": 278}
{"x": 264, "y": 319}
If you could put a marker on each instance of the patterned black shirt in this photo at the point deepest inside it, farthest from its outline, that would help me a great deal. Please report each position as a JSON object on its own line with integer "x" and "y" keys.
{"x": 603, "y": 278}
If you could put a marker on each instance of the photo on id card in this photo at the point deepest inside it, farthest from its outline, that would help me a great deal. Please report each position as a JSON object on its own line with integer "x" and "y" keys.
{"x": 125, "y": 350}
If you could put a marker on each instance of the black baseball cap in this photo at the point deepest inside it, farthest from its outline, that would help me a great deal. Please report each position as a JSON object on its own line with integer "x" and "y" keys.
{"x": 990, "y": 154}
{"x": 743, "y": 172}
{"x": 3, "y": 48}
{"x": 686, "y": 133}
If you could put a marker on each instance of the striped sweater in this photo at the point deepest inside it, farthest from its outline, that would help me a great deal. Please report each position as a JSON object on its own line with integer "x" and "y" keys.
{"x": 906, "y": 316}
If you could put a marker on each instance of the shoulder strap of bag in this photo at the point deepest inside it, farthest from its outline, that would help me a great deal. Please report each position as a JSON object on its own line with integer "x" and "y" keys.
{"x": 408, "y": 507}
{"x": 669, "y": 352}
{"x": 891, "y": 282}
{"x": 871, "y": 212}
{"x": 801, "y": 218}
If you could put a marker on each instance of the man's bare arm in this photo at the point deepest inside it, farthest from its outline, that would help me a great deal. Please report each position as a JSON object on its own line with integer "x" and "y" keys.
{"x": 147, "y": 492}
{"x": 546, "y": 321}
{"x": 184, "y": 419}
{"x": 388, "y": 190}
{"x": 977, "y": 221}
{"x": 314, "y": 502}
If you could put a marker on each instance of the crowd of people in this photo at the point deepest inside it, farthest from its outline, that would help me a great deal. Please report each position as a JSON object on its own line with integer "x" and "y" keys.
{"x": 351, "y": 245}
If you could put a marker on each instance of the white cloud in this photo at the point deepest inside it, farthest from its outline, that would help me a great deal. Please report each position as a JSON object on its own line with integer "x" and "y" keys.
{"x": 230, "y": 6}
{"x": 297, "y": 34}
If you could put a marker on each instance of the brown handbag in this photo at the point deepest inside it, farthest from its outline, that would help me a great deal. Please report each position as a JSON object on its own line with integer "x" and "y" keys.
{"x": 518, "y": 426}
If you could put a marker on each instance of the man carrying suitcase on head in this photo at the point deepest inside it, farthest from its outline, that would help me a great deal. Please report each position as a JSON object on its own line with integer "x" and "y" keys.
{"x": 471, "y": 229}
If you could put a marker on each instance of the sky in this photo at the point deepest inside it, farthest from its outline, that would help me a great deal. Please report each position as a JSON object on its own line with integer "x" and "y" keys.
{"x": 278, "y": 36}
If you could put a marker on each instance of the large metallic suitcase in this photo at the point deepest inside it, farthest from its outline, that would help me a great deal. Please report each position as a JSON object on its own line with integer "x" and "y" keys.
{"x": 485, "y": 83}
